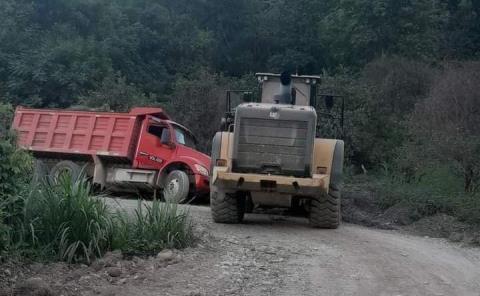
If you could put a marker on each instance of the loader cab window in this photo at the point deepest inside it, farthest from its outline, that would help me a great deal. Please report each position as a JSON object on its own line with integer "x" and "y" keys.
{"x": 183, "y": 137}
{"x": 161, "y": 132}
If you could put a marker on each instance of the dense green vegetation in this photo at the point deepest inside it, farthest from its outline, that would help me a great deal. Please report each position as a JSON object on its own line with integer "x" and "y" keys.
{"x": 408, "y": 69}
{"x": 65, "y": 221}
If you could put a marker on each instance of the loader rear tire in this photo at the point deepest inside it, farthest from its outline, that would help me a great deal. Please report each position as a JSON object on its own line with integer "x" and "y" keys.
{"x": 325, "y": 210}
{"x": 227, "y": 207}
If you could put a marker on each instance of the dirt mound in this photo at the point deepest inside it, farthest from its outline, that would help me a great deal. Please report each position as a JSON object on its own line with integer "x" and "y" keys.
{"x": 445, "y": 226}
{"x": 359, "y": 207}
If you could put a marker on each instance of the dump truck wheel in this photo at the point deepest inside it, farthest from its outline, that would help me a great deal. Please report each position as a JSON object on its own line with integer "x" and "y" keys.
{"x": 40, "y": 171}
{"x": 64, "y": 167}
{"x": 325, "y": 209}
{"x": 177, "y": 186}
{"x": 227, "y": 207}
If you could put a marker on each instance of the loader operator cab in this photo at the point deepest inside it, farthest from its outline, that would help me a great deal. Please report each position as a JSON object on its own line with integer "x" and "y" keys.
{"x": 299, "y": 90}
{"x": 288, "y": 89}
{"x": 273, "y": 89}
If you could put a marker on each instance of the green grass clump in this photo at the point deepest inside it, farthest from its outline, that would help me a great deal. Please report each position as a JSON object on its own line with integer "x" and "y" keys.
{"x": 5, "y": 240}
{"x": 152, "y": 228}
{"x": 64, "y": 221}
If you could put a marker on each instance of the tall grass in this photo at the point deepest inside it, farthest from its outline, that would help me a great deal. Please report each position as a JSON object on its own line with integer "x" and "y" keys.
{"x": 152, "y": 228}
{"x": 64, "y": 221}
{"x": 5, "y": 240}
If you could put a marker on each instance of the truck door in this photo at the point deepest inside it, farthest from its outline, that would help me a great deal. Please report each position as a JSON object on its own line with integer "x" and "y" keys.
{"x": 155, "y": 145}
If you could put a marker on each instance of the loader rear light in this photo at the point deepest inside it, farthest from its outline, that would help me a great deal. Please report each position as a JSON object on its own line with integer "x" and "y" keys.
{"x": 221, "y": 162}
{"x": 321, "y": 170}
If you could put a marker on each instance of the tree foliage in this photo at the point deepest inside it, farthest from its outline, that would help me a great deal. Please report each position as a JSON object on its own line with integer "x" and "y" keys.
{"x": 381, "y": 55}
{"x": 447, "y": 123}
{"x": 54, "y": 52}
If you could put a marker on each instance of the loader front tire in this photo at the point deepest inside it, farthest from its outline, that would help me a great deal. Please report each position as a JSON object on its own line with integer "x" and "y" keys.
{"x": 325, "y": 209}
{"x": 227, "y": 207}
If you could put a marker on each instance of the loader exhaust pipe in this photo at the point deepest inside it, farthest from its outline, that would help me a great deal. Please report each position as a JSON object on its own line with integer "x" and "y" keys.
{"x": 286, "y": 93}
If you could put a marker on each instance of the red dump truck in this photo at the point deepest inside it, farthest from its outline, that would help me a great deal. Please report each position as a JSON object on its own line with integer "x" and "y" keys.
{"x": 140, "y": 149}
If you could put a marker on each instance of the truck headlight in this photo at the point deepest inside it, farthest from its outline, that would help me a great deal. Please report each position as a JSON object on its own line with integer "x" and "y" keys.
{"x": 201, "y": 169}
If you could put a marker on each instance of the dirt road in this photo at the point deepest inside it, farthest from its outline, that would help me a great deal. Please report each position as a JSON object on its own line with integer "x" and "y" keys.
{"x": 276, "y": 255}
{"x": 268, "y": 255}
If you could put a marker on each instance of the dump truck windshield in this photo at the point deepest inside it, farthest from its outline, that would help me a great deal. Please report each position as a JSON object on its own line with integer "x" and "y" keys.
{"x": 184, "y": 138}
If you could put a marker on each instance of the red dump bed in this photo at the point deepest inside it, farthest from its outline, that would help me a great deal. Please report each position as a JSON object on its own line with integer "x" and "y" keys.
{"x": 81, "y": 132}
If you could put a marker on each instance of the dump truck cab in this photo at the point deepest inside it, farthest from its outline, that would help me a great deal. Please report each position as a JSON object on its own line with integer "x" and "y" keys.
{"x": 139, "y": 150}
{"x": 269, "y": 155}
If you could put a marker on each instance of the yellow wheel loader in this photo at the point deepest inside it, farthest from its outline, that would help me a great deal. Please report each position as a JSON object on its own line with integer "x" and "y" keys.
{"x": 267, "y": 154}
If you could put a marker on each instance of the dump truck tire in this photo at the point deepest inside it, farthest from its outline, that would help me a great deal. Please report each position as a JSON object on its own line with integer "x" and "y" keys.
{"x": 325, "y": 210}
{"x": 65, "y": 166}
{"x": 177, "y": 186}
{"x": 40, "y": 171}
{"x": 227, "y": 207}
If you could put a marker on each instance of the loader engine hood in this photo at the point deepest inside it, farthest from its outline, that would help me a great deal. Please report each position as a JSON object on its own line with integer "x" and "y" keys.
{"x": 274, "y": 139}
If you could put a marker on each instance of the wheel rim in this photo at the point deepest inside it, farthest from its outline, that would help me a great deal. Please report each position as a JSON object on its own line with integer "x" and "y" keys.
{"x": 62, "y": 173}
{"x": 172, "y": 189}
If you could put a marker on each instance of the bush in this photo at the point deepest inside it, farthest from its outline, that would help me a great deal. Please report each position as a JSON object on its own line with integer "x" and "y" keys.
{"x": 467, "y": 208}
{"x": 436, "y": 190}
{"x": 153, "y": 228}
{"x": 394, "y": 86}
{"x": 446, "y": 125}
{"x": 198, "y": 102}
{"x": 65, "y": 221}
{"x": 5, "y": 240}
{"x": 15, "y": 164}
{"x": 15, "y": 171}
{"x": 116, "y": 94}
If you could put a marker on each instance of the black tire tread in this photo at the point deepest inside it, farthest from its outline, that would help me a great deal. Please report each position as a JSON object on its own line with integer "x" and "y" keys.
{"x": 325, "y": 210}
{"x": 226, "y": 208}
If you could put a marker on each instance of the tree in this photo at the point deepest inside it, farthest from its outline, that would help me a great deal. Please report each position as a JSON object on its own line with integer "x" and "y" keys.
{"x": 447, "y": 123}
{"x": 355, "y": 32}
{"x": 114, "y": 93}
{"x": 198, "y": 103}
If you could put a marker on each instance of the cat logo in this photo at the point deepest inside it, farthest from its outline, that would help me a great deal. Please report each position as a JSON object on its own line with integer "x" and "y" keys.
{"x": 274, "y": 115}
